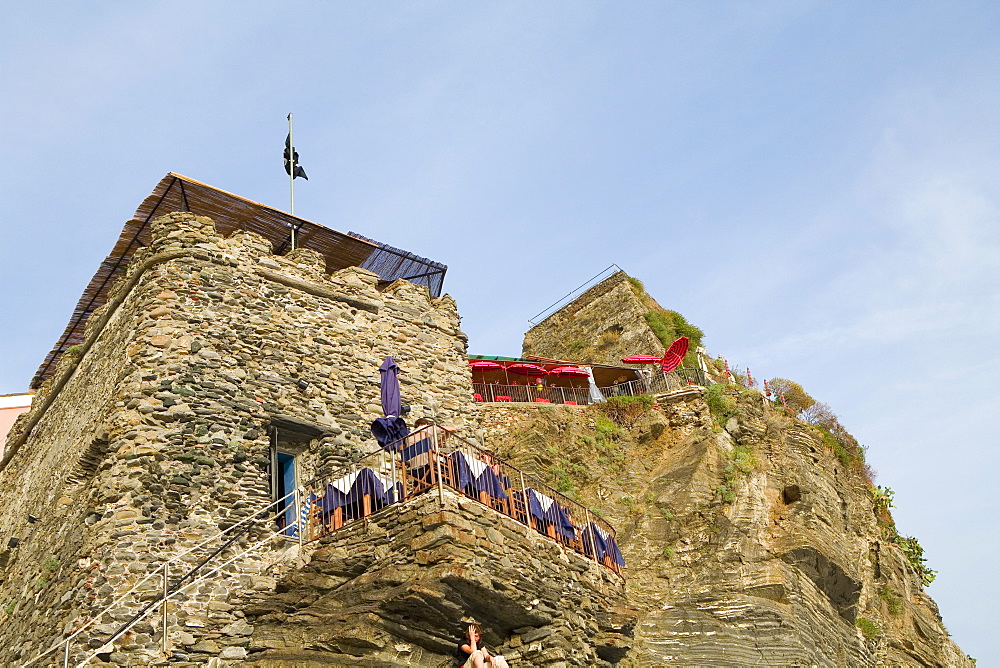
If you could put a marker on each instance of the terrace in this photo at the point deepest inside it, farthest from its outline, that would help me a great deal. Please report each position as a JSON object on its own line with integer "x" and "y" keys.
{"x": 429, "y": 461}
{"x": 534, "y": 380}
{"x": 232, "y": 213}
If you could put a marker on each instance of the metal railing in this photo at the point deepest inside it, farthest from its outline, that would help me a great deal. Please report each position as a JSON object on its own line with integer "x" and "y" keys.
{"x": 657, "y": 383}
{"x": 158, "y": 580}
{"x": 573, "y": 294}
{"x": 530, "y": 393}
{"x": 432, "y": 459}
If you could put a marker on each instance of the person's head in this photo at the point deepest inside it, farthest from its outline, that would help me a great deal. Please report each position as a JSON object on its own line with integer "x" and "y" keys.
{"x": 422, "y": 422}
{"x": 476, "y": 630}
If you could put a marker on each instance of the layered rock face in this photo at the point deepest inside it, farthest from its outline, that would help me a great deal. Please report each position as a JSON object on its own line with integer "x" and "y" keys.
{"x": 746, "y": 546}
{"x": 210, "y": 353}
{"x": 394, "y": 592}
{"x": 601, "y": 326}
{"x": 749, "y": 545}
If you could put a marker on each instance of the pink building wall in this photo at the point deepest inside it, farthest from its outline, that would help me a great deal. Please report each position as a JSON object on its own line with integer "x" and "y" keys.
{"x": 11, "y": 406}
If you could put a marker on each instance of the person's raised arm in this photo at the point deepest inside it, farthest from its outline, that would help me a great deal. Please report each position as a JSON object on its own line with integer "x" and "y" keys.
{"x": 471, "y": 647}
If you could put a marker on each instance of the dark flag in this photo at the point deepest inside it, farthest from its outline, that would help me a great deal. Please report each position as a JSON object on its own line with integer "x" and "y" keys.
{"x": 292, "y": 160}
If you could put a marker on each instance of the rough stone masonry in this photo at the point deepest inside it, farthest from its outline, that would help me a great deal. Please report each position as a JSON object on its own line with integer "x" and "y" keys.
{"x": 161, "y": 435}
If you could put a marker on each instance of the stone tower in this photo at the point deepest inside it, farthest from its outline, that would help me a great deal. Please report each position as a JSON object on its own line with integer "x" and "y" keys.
{"x": 210, "y": 354}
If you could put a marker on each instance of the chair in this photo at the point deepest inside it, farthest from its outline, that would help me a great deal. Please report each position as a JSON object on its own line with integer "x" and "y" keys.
{"x": 540, "y": 400}
{"x": 570, "y": 403}
{"x": 477, "y": 397}
{"x": 502, "y": 397}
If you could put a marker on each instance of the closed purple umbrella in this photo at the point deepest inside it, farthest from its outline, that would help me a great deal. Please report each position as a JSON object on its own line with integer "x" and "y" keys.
{"x": 390, "y": 428}
{"x": 391, "y": 403}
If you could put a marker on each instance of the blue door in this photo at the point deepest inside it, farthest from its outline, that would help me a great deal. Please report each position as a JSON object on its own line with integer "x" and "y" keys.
{"x": 286, "y": 485}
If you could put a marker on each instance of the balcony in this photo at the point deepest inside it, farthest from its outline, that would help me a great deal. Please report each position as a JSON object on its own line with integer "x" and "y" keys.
{"x": 428, "y": 461}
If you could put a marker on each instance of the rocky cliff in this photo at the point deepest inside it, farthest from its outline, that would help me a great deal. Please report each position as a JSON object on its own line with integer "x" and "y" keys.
{"x": 749, "y": 545}
{"x": 613, "y": 319}
{"x": 753, "y": 537}
{"x": 602, "y": 325}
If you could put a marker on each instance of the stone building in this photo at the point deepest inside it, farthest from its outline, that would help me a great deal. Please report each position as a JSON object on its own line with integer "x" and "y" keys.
{"x": 199, "y": 372}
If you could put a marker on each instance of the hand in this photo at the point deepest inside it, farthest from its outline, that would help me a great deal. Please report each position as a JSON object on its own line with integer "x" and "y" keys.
{"x": 471, "y": 631}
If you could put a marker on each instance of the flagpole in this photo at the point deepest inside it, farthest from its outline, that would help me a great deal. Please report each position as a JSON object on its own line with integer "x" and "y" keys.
{"x": 291, "y": 174}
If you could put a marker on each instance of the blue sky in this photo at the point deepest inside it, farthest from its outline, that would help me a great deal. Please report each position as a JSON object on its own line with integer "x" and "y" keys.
{"x": 816, "y": 185}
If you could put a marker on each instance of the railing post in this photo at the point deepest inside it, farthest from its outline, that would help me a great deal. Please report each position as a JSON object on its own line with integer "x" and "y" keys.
{"x": 66, "y": 656}
{"x": 590, "y": 532}
{"x": 392, "y": 464}
{"x": 437, "y": 463}
{"x": 166, "y": 573}
{"x": 524, "y": 497}
{"x": 298, "y": 517}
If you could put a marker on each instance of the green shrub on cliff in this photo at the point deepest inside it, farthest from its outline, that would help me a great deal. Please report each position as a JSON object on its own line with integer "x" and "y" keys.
{"x": 624, "y": 411}
{"x": 882, "y": 497}
{"x": 743, "y": 462}
{"x": 606, "y": 429}
{"x": 721, "y": 403}
{"x": 892, "y": 600}
{"x": 668, "y": 325}
{"x": 868, "y": 628}
{"x": 915, "y": 555}
{"x": 744, "y": 459}
{"x": 910, "y": 546}
{"x": 564, "y": 476}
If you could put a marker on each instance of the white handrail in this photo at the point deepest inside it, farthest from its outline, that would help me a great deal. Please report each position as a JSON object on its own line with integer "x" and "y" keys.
{"x": 118, "y": 597}
{"x": 177, "y": 591}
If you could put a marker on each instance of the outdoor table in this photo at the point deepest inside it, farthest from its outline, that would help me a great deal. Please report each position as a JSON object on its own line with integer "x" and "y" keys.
{"x": 549, "y": 516}
{"x": 603, "y": 543}
{"x": 474, "y": 475}
{"x": 357, "y": 495}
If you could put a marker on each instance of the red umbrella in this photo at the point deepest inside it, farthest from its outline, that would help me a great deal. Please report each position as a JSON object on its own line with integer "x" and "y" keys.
{"x": 484, "y": 365}
{"x": 674, "y": 355}
{"x": 569, "y": 372}
{"x": 525, "y": 369}
{"x": 641, "y": 359}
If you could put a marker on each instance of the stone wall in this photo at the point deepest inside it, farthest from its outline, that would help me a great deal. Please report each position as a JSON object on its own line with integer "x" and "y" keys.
{"x": 602, "y": 325}
{"x": 160, "y": 436}
{"x": 399, "y": 589}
